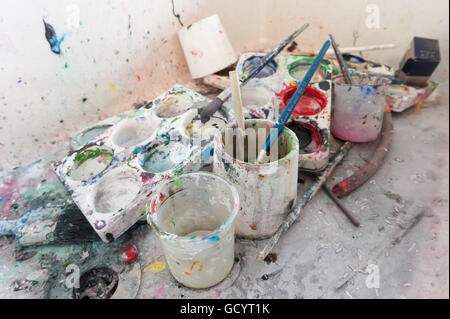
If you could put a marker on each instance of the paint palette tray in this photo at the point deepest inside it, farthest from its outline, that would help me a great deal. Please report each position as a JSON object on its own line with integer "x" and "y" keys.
{"x": 275, "y": 85}
{"x": 111, "y": 176}
{"x": 84, "y": 136}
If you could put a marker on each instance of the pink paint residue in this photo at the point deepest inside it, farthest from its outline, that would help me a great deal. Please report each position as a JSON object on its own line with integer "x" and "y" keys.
{"x": 160, "y": 291}
{"x": 220, "y": 32}
{"x": 197, "y": 53}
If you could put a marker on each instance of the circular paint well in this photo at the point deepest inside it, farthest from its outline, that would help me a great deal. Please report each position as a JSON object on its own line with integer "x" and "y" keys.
{"x": 309, "y": 137}
{"x": 131, "y": 132}
{"x": 299, "y": 70}
{"x": 116, "y": 190}
{"x": 255, "y": 96}
{"x": 89, "y": 162}
{"x": 312, "y": 101}
{"x": 173, "y": 105}
{"x": 163, "y": 157}
{"x": 253, "y": 61}
{"x": 92, "y": 133}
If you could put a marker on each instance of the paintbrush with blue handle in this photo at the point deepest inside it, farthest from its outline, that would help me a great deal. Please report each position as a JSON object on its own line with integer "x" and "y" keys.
{"x": 212, "y": 107}
{"x": 278, "y": 128}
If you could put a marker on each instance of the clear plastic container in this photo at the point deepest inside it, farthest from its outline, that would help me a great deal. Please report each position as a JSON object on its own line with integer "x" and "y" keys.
{"x": 358, "y": 108}
{"x": 194, "y": 218}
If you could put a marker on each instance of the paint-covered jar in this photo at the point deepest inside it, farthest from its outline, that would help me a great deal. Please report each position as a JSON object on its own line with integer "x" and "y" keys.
{"x": 194, "y": 218}
{"x": 267, "y": 191}
{"x": 358, "y": 108}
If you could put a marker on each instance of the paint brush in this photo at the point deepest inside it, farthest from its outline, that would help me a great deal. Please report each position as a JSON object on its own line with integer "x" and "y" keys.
{"x": 237, "y": 107}
{"x": 342, "y": 65}
{"x": 50, "y": 225}
{"x": 311, "y": 191}
{"x": 278, "y": 128}
{"x": 212, "y": 107}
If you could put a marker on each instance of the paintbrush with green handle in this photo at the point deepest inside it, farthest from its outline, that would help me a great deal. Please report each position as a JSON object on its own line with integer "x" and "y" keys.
{"x": 212, "y": 107}
{"x": 50, "y": 225}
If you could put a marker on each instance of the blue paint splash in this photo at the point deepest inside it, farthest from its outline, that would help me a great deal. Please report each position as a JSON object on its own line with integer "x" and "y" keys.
{"x": 52, "y": 39}
{"x": 214, "y": 238}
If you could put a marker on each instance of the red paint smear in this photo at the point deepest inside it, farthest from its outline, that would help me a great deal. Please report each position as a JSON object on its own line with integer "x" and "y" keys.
{"x": 161, "y": 198}
{"x": 138, "y": 77}
{"x": 343, "y": 186}
{"x": 128, "y": 254}
{"x": 311, "y": 102}
{"x": 256, "y": 113}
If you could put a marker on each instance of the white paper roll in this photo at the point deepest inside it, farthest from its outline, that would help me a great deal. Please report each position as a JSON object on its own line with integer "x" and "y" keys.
{"x": 206, "y": 47}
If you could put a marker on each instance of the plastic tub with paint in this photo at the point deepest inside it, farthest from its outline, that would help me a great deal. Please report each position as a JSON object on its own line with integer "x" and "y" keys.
{"x": 267, "y": 191}
{"x": 129, "y": 133}
{"x": 194, "y": 218}
{"x": 89, "y": 162}
{"x": 358, "y": 109}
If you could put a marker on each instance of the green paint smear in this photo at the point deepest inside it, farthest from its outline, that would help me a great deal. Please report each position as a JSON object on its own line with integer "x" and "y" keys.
{"x": 325, "y": 67}
{"x": 129, "y": 165}
{"x": 65, "y": 65}
{"x": 83, "y": 156}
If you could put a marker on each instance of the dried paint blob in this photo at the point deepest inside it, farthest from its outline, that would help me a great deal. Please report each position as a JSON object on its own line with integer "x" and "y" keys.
{"x": 90, "y": 162}
{"x": 312, "y": 101}
{"x": 163, "y": 157}
{"x": 173, "y": 105}
{"x": 131, "y": 132}
{"x": 92, "y": 133}
{"x": 254, "y": 61}
{"x": 156, "y": 266}
{"x": 116, "y": 190}
{"x": 309, "y": 137}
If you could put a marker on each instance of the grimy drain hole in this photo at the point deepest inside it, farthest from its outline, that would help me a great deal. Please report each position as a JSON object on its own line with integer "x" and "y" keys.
{"x": 97, "y": 283}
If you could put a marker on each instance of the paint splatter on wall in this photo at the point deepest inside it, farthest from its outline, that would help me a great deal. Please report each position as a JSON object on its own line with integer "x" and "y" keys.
{"x": 52, "y": 39}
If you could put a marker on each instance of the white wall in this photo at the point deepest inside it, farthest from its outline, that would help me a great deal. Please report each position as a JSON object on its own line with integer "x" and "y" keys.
{"x": 37, "y": 91}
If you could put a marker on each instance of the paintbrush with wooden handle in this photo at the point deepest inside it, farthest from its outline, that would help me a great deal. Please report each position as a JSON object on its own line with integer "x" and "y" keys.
{"x": 50, "y": 225}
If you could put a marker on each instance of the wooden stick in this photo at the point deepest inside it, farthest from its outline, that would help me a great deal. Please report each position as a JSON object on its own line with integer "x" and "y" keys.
{"x": 312, "y": 190}
{"x": 238, "y": 114}
{"x": 344, "y": 209}
{"x": 345, "y": 50}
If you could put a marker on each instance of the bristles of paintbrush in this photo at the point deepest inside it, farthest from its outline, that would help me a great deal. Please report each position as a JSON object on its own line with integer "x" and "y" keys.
{"x": 73, "y": 228}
